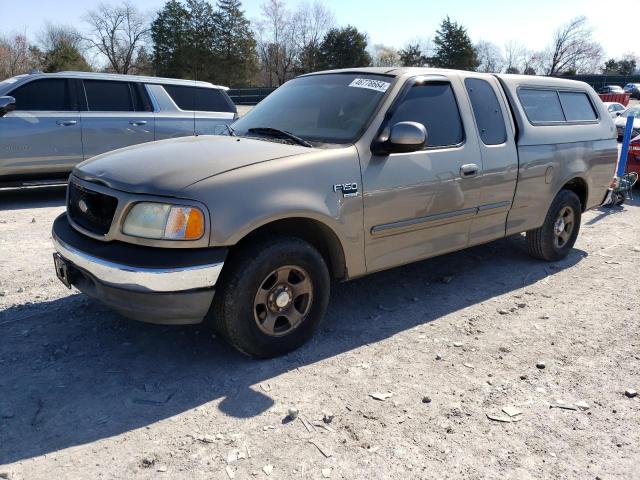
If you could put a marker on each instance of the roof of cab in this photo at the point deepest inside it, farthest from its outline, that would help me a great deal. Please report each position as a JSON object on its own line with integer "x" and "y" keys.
{"x": 509, "y": 79}
{"x": 128, "y": 78}
{"x": 528, "y": 133}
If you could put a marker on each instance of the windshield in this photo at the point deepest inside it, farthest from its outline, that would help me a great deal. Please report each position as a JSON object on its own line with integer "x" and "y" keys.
{"x": 330, "y": 109}
{"x": 632, "y": 112}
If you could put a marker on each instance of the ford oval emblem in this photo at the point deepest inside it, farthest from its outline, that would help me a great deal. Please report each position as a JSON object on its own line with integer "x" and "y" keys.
{"x": 83, "y": 206}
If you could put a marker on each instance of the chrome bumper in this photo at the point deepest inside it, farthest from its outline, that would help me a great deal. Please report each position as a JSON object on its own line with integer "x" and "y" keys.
{"x": 141, "y": 279}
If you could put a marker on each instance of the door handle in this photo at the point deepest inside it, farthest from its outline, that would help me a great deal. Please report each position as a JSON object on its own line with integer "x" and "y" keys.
{"x": 469, "y": 170}
{"x": 66, "y": 123}
{"x": 138, "y": 123}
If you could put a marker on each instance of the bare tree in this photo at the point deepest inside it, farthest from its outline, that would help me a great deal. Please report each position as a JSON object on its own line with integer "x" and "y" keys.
{"x": 16, "y": 56}
{"x": 573, "y": 49}
{"x": 53, "y": 35}
{"x": 310, "y": 24}
{"x": 489, "y": 56}
{"x": 385, "y": 56}
{"x": 514, "y": 57}
{"x": 289, "y": 42}
{"x": 117, "y": 32}
{"x": 532, "y": 62}
{"x": 277, "y": 45}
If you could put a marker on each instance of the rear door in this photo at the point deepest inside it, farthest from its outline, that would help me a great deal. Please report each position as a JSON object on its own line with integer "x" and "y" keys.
{"x": 118, "y": 114}
{"x": 496, "y": 131}
{"x": 42, "y": 137}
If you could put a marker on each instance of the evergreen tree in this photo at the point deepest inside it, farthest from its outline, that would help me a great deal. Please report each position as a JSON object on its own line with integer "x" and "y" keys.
{"x": 64, "y": 56}
{"x": 169, "y": 32}
{"x": 201, "y": 31}
{"x": 344, "y": 48}
{"x": 627, "y": 66}
{"x": 234, "y": 45}
{"x": 143, "y": 64}
{"x": 454, "y": 48}
{"x": 610, "y": 66}
{"x": 412, "y": 56}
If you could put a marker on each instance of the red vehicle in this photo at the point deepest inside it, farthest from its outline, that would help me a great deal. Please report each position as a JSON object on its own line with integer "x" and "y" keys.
{"x": 633, "y": 157}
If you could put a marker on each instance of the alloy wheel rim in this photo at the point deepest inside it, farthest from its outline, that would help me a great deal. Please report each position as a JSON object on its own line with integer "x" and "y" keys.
{"x": 283, "y": 300}
{"x": 563, "y": 227}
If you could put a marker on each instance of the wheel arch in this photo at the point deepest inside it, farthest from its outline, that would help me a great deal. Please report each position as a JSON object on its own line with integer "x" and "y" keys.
{"x": 315, "y": 232}
{"x": 579, "y": 186}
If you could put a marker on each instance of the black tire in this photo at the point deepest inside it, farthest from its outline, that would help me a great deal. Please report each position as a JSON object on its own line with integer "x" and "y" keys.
{"x": 233, "y": 313}
{"x": 543, "y": 242}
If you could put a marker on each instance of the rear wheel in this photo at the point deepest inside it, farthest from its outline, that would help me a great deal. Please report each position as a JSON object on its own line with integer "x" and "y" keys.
{"x": 272, "y": 296}
{"x": 556, "y": 237}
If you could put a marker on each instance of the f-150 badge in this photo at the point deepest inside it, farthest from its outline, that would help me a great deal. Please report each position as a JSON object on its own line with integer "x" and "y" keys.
{"x": 347, "y": 189}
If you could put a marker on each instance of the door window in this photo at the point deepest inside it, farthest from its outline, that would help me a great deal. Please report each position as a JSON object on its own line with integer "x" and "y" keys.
{"x": 487, "y": 111}
{"x": 432, "y": 104}
{"x": 108, "y": 96}
{"x": 50, "y": 94}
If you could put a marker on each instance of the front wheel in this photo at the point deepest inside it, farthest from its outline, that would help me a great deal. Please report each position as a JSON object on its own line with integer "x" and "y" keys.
{"x": 272, "y": 296}
{"x": 556, "y": 237}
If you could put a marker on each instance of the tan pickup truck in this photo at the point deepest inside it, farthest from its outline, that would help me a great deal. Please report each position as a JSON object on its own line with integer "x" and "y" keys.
{"x": 333, "y": 176}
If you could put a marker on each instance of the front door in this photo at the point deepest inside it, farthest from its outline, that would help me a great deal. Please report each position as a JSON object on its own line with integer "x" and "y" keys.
{"x": 117, "y": 117}
{"x": 42, "y": 137}
{"x": 421, "y": 204}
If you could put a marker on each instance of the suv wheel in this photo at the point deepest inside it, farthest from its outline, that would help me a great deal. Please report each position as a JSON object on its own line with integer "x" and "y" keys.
{"x": 556, "y": 237}
{"x": 272, "y": 297}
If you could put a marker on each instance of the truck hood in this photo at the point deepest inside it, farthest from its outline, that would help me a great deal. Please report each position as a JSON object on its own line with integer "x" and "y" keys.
{"x": 167, "y": 167}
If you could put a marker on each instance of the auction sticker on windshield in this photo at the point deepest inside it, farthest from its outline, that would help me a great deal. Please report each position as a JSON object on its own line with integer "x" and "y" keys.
{"x": 377, "y": 85}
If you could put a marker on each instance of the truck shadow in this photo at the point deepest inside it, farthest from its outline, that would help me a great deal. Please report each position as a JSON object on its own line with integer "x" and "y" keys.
{"x": 72, "y": 372}
{"x": 32, "y": 197}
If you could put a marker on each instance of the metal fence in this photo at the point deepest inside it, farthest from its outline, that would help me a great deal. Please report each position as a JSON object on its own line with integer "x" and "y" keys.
{"x": 598, "y": 81}
{"x": 249, "y": 96}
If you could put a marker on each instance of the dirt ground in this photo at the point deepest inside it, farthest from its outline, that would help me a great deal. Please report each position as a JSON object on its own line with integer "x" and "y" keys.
{"x": 85, "y": 393}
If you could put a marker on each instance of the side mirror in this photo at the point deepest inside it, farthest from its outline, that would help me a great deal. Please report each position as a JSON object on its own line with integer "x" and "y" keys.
{"x": 404, "y": 137}
{"x": 618, "y": 114}
{"x": 7, "y": 104}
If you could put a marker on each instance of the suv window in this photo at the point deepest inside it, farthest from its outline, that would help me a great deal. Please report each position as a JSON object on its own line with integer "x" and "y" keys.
{"x": 199, "y": 99}
{"x": 108, "y": 96}
{"x": 47, "y": 94}
{"x": 434, "y": 105}
{"x": 577, "y": 107}
{"x": 541, "y": 105}
{"x": 487, "y": 111}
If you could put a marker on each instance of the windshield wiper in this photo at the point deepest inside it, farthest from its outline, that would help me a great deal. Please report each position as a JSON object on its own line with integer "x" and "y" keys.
{"x": 232, "y": 132}
{"x": 274, "y": 132}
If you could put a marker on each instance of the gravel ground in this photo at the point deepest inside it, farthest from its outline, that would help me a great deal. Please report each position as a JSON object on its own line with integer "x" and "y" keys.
{"x": 85, "y": 393}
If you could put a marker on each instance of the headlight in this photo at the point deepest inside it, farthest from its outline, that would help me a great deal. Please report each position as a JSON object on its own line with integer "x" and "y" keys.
{"x": 163, "y": 221}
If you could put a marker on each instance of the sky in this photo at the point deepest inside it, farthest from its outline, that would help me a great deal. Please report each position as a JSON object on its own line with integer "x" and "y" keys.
{"x": 393, "y": 23}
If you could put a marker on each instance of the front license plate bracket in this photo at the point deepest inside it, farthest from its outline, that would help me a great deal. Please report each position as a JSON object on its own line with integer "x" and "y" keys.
{"x": 62, "y": 270}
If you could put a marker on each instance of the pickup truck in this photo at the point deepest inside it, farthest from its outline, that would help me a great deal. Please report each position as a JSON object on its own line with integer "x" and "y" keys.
{"x": 334, "y": 176}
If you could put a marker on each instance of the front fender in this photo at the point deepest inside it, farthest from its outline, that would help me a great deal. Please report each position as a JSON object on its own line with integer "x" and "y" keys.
{"x": 245, "y": 199}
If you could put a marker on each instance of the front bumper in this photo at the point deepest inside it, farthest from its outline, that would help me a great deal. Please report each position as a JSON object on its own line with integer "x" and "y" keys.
{"x": 157, "y": 285}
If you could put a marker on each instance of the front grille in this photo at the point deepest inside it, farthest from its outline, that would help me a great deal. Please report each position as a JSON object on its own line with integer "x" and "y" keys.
{"x": 91, "y": 210}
